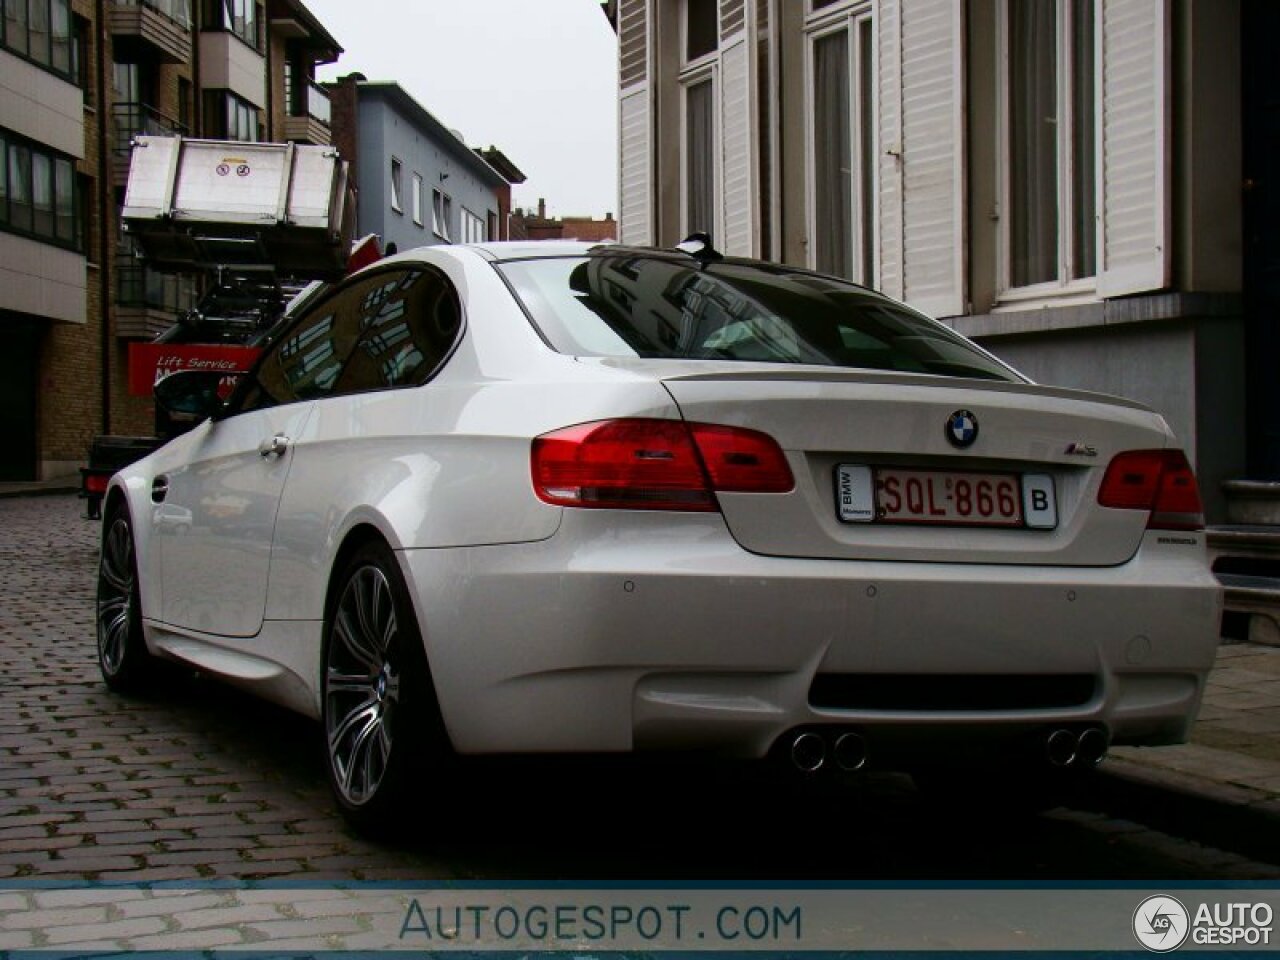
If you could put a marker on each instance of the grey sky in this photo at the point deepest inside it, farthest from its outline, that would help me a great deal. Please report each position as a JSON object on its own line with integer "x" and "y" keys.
{"x": 535, "y": 78}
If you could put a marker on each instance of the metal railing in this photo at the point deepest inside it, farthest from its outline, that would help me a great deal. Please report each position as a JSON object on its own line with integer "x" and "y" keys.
{"x": 140, "y": 287}
{"x": 133, "y": 119}
{"x": 311, "y": 101}
{"x": 179, "y": 11}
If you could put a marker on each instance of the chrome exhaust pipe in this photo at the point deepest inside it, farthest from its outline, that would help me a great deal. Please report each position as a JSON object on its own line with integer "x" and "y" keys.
{"x": 850, "y": 752}
{"x": 808, "y": 752}
{"x": 1062, "y": 747}
{"x": 1092, "y": 747}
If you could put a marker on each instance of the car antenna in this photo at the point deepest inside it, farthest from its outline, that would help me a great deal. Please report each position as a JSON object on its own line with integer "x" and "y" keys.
{"x": 699, "y": 246}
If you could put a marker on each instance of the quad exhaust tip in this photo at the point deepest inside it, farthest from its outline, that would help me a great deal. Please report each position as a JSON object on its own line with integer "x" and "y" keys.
{"x": 850, "y": 752}
{"x": 1087, "y": 748}
{"x": 808, "y": 752}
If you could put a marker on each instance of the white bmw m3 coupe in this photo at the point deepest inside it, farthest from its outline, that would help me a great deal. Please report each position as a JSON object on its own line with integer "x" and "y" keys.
{"x": 553, "y": 497}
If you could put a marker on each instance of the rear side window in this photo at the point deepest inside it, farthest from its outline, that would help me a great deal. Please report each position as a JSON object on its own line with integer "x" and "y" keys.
{"x": 392, "y": 328}
{"x": 623, "y": 305}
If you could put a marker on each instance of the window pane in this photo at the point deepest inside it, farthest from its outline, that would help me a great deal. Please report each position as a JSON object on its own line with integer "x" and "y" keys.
{"x": 700, "y": 157}
{"x": 64, "y": 193}
{"x": 396, "y": 203}
{"x": 833, "y": 163}
{"x": 1083, "y": 187}
{"x": 15, "y": 25}
{"x": 701, "y": 28}
{"x": 669, "y": 307}
{"x": 405, "y": 334}
{"x": 38, "y": 16}
{"x": 1033, "y": 142}
{"x": 42, "y": 194}
{"x": 20, "y": 187}
{"x": 60, "y": 58}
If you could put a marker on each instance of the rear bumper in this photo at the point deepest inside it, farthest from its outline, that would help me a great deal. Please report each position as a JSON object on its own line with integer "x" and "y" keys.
{"x": 666, "y": 634}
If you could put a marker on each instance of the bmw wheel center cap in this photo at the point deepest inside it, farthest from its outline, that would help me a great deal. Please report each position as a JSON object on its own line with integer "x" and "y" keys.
{"x": 962, "y": 429}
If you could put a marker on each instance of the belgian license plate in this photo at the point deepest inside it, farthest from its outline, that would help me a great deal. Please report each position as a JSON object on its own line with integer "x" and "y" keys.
{"x": 867, "y": 494}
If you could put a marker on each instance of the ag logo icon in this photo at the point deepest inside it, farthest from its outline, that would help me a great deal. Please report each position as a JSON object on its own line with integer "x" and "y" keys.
{"x": 1161, "y": 923}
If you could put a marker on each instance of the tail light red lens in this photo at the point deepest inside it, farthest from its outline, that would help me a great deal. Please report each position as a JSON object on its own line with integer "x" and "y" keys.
{"x": 643, "y": 464}
{"x": 1161, "y": 481}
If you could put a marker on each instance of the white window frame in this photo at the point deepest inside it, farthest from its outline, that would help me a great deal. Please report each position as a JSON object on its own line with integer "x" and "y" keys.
{"x": 1063, "y": 291}
{"x": 845, "y": 17}
{"x": 416, "y": 199}
{"x": 705, "y": 68}
{"x": 397, "y": 185}
{"x": 473, "y": 228}
{"x": 441, "y": 207}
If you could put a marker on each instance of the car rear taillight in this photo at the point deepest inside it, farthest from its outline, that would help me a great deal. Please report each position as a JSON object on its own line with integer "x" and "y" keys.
{"x": 643, "y": 464}
{"x": 96, "y": 482}
{"x": 1157, "y": 480}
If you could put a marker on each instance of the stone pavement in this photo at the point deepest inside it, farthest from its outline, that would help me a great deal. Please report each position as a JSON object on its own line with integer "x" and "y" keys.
{"x": 200, "y": 782}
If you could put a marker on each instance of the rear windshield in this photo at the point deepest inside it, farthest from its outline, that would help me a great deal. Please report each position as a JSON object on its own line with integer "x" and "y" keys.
{"x": 607, "y": 305}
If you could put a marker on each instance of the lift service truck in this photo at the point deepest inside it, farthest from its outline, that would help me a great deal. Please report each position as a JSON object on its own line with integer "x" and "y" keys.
{"x": 260, "y": 225}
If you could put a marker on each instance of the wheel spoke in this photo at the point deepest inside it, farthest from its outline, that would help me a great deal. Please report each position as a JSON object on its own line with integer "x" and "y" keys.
{"x": 338, "y": 683}
{"x": 358, "y": 760}
{"x": 354, "y": 641}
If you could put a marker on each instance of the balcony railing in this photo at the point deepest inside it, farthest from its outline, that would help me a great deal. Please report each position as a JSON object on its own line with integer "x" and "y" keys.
{"x": 311, "y": 101}
{"x": 179, "y": 11}
{"x": 133, "y": 119}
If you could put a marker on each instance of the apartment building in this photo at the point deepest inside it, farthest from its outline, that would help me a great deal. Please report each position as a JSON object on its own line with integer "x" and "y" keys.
{"x": 78, "y": 80}
{"x": 418, "y": 182}
{"x": 1060, "y": 179}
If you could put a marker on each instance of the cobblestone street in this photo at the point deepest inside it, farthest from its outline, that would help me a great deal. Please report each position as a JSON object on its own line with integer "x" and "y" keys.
{"x": 200, "y": 781}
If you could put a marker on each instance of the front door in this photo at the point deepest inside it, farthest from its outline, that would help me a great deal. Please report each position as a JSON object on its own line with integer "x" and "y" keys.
{"x": 216, "y": 515}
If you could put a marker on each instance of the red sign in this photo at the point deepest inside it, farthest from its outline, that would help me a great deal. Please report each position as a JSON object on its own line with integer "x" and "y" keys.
{"x": 149, "y": 363}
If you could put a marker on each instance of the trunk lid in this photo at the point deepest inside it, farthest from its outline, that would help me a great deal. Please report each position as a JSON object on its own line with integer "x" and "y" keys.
{"x": 888, "y": 425}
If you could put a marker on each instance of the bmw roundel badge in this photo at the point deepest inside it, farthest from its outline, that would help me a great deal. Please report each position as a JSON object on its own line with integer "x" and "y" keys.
{"x": 962, "y": 428}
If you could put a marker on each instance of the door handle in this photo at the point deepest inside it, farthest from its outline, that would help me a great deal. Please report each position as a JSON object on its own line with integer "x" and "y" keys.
{"x": 274, "y": 447}
{"x": 159, "y": 489}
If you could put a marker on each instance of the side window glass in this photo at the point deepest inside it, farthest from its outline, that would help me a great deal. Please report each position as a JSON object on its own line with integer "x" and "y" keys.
{"x": 407, "y": 327}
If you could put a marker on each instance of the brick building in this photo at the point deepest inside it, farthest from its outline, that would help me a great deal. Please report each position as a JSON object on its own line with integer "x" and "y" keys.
{"x": 78, "y": 80}
{"x": 531, "y": 225}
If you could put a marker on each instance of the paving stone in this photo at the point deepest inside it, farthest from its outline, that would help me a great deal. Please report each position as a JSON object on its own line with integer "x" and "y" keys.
{"x": 103, "y": 932}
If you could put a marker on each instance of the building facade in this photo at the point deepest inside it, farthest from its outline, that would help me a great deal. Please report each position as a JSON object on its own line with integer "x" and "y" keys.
{"x": 78, "y": 80}
{"x": 417, "y": 181}
{"x": 1059, "y": 179}
{"x": 536, "y": 225}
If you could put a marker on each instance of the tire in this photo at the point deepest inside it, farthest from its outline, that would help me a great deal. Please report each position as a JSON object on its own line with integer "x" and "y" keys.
{"x": 126, "y": 665}
{"x": 383, "y": 736}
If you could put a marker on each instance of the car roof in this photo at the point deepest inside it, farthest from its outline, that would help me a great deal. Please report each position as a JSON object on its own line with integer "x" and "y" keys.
{"x": 526, "y": 249}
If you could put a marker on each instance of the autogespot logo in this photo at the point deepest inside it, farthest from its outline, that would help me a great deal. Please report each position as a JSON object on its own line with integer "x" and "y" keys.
{"x": 1161, "y": 923}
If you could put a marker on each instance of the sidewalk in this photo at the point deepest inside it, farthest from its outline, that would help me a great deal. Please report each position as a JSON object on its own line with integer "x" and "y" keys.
{"x": 36, "y": 488}
{"x": 1230, "y": 771}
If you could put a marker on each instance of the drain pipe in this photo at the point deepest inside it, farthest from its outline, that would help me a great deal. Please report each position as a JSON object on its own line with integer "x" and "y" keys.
{"x": 104, "y": 195}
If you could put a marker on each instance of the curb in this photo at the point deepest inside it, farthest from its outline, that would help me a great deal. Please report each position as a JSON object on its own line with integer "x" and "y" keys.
{"x": 50, "y": 489}
{"x": 1233, "y": 817}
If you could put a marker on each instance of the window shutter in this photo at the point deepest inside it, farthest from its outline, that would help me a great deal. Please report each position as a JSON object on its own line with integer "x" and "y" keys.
{"x": 1134, "y": 153}
{"x": 735, "y": 135}
{"x": 922, "y": 170}
{"x": 888, "y": 26}
{"x": 635, "y": 125}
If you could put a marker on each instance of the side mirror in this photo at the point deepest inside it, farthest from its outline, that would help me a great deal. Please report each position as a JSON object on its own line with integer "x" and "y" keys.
{"x": 190, "y": 396}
